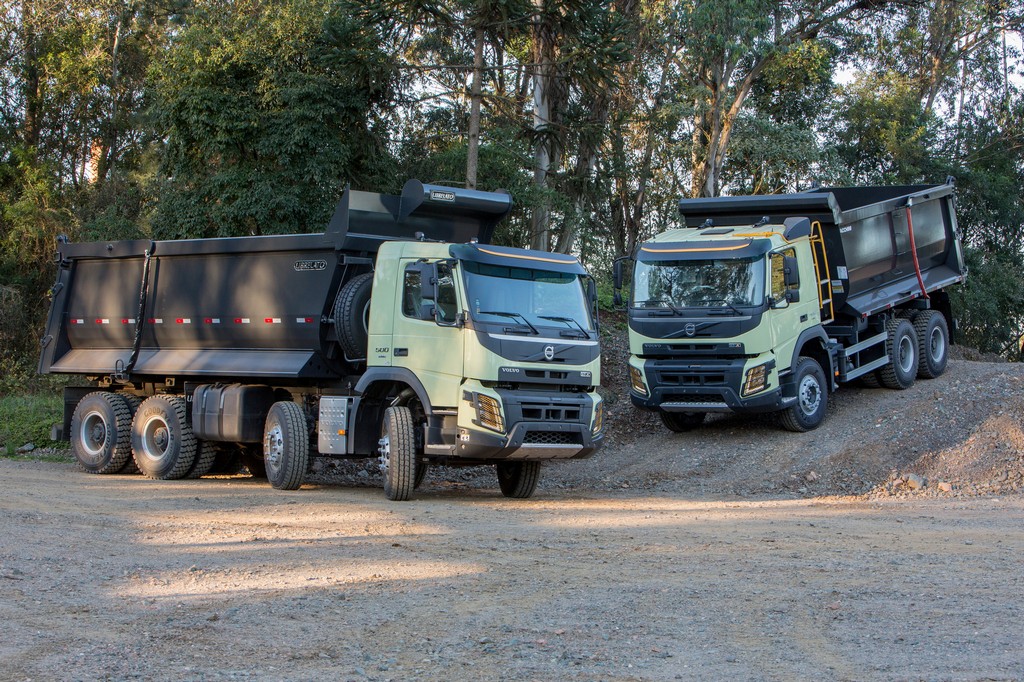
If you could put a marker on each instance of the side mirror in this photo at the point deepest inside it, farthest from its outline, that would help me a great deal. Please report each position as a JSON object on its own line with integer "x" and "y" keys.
{"x": 617, "y": 274}
{"x": 793, "y": 295}
{"x": 790, "y": 274}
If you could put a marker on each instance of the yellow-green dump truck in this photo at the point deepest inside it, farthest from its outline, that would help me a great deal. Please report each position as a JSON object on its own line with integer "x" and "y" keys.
{"x": 768, "y": 303}
{"x": 396, "y": 334}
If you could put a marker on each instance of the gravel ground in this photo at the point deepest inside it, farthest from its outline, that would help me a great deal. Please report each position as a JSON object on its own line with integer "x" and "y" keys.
{"x": 885, "y": 545}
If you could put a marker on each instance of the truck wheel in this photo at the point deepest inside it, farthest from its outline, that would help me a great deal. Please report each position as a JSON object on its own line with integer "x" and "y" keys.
{"x": 130, "y": 467}
{"x": 205, "y": 458}
{"x": 680, "y": 422}
{"x": 163, "y": 444}
{"x": 286, "y": 446}
{"x": 870, "y": 379}
{"x": 101, "y": 433}
{"x": 352, "y": 316}
{"x": 811, "y": 398}
{"x": 932, "y": 343}
{"x": 518, "y": 479}
{"x": 398, "y": 453}
{"x": 901, "y": 347}
{"x": 421, "y": 473}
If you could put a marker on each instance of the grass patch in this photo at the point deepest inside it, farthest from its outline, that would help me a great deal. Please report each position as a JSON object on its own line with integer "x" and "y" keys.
{"x": 28, "y": 419}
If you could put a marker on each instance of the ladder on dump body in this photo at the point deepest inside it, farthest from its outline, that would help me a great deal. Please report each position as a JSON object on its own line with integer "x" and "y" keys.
{"x": 822, "y": 272}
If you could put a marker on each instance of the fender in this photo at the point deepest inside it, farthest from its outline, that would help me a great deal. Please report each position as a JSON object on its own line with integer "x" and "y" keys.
{"x": 395, "y": 374}
{"x": 816, "y": 333}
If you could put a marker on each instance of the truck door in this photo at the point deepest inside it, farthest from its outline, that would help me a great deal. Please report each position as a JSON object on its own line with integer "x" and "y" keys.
{"x": 788, "y": 317}
{"x": 428, "y": 338}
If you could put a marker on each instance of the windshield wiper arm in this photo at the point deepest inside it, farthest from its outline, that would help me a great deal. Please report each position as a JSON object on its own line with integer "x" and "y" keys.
{"x": 503, "y": 313}
{"x": 566, "y": 320}
{"x": 668, "y": 303}
{"x": 723, "y": 301}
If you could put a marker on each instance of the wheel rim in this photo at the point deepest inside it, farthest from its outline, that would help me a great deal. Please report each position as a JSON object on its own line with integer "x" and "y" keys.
{"x": 810, "y": 395}
{"x": 937, "y": 344}
{"x": 905, "y": 354}
{"x": 273, "y": 447}
{"x": 156, "y": 438}
{"x": 93, "y": 435}
{"x": 384, "y": 448}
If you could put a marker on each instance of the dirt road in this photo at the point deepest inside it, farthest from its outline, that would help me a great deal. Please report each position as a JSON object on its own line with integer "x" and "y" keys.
{"x": 117, "y": 577}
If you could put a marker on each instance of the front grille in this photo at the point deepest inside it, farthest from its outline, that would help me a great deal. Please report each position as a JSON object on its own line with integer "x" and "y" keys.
{"x": 548, "y": 413}
{"x": 552, "y": 438}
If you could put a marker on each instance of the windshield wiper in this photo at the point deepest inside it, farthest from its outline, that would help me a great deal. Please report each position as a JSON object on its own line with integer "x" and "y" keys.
{"x": 503, "y": 313}
{"x": 566, "y": 320}
{"x": 665, "y": 301}
{"x": 723, "y": 301}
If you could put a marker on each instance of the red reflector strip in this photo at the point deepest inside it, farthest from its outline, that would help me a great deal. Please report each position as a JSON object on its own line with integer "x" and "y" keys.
{"x": 156, "y": 320}
{"x": 272, "y": 320}
{"x": 241, "y": 320}
{"x": 304, "y": 320}
{"x": 183, "y": 320}
{"x": 102, "y": 320}
{"x": 78, "y": 320}
{"x": 212, "y": 320}
{"x": 127, "y": 320}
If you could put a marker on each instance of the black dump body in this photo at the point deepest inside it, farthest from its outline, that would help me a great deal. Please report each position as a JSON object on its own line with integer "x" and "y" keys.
{"x": 240, "y": 307}
{"x": 867, "y": 237}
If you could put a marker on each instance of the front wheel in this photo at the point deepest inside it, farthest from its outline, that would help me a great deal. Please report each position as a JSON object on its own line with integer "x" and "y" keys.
{"x": 518, "y": 479}
{"x": 811, "y": 398}
{"x": 397, "y": 449}
{"x": 286, "y": 445}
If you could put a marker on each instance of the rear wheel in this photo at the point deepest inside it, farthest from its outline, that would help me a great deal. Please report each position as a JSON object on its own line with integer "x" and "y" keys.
{"x": 205, "y": 457}
{"x": 901, "y": 347}
{"x": 811, "y": 398}
{"x": 101, "y": 433}
{"x": 163, "y": 444}
{"x": 397, "y": 448}
{"x": 680, "y": 422}
{"x": 518, "y": 479}
{"x": 286, "y": 446}
{"x": 130, "y": 467}
{"x": 932, "y": 343}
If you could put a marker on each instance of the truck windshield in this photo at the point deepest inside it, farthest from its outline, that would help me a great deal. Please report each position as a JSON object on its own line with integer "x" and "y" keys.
{"x": 539, "y": 297}
{"x": 699, "y": 283}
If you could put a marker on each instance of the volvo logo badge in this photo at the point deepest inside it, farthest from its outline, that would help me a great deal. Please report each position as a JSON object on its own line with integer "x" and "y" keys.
{"x": 690, "y": 329}
{"x": 549, "y": 353}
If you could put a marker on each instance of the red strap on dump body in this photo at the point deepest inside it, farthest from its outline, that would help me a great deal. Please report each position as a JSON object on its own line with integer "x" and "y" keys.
{"x": 913, "y": 251}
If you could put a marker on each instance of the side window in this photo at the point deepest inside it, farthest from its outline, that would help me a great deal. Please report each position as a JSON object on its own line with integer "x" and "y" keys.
{"x": 779, "y": 274}
{"x": 412, "y": 297}
{"x": 447, "y": 302}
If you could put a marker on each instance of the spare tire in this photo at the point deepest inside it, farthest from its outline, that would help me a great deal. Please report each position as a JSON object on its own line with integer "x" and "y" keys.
{"x": 352, "y": 316}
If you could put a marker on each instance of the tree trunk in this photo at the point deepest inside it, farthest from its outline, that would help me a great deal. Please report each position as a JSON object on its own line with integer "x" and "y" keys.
{"x": 32, "y": 124}
{"x": 472, "y": 153}
{"x": 543, "y": 113}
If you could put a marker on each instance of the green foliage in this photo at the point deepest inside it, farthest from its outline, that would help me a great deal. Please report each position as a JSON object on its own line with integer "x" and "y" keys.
{"x": 990, "y": 305}
{"x": 267, "y": 109}
{"x": 28, "y": 419}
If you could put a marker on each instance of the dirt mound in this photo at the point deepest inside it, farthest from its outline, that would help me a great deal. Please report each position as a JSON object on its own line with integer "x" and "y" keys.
{"x": 959, "y": 434}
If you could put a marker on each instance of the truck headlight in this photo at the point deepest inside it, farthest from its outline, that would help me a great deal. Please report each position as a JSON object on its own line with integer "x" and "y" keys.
{"x": 488, "y": 411}
{"x": 757, "y": 379}
{"x": 598, "y": 418}
{"x": 637, "y": 379}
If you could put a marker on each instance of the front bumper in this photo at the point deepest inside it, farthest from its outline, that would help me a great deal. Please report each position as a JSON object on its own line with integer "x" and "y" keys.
{"x": 706, "y": 386}
{"x": 529, "y": 440}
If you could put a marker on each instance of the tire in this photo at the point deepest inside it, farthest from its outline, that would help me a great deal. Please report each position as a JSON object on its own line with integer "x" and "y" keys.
{"x": 932, "y": 343}
{"x": 871, "y": 380}
{"x": 518, "y": 479}
{"x": 286, "y": 446}
{"x": 352, "y": 316}
{"x": 133, "y": 406}
{"x": 397, "y": 448}
{"x": 811, "y": 398}
{"x": 681, "y": 422}
{"x": 421, "y": 473}
{"x": 205, "y": 457}
{"x": 101, "y": 433}
{"x": 163, "y": 444}
{"x": 901, "y": 347}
